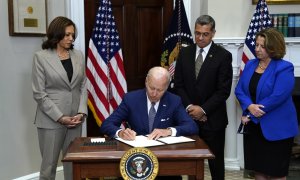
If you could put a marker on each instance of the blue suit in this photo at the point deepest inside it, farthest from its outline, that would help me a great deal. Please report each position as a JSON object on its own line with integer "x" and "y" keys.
{"x": 133, "y": 109}
{"x": 274, "y": 91}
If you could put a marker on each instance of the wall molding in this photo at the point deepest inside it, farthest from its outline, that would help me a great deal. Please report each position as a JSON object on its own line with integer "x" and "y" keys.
{"x": 35, "y": 176}
{"x": 232, "y": 164}
{"x": 240, "y": 40}
{"x": 235, "y": 46}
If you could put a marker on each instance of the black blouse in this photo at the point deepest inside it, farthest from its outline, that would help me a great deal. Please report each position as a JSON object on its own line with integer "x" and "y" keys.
{"x": 67, "y": 63}
{"x": 253, "y": 85}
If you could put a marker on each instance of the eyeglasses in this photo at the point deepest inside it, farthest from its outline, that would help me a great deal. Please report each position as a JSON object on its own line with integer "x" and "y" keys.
{"x": 242, "y": 129}
{"x": 204, "y": 35}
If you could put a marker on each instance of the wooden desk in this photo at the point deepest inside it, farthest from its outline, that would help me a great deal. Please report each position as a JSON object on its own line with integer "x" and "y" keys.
{"x": 104, "y": 160}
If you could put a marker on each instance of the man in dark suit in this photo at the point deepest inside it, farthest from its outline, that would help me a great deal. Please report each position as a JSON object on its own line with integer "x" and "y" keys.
{"x": 169, "y": 119}
{"x": 203, "y": 78}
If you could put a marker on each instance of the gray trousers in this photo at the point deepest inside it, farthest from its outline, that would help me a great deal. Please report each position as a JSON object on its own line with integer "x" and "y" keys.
{"x": 52, "y": 142}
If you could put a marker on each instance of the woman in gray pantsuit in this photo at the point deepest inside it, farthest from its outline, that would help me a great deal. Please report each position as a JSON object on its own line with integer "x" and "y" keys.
{"x": 59, "y": 88}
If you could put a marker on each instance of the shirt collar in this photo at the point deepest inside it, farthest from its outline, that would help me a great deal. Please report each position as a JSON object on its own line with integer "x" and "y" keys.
{"x": 149, "y": 103}
{"x": 205, "y": 49}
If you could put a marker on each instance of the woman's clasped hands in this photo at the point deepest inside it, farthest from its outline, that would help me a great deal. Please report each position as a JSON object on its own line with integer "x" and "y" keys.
{"x": 256, "y": 110}
{"x": 71, "y": 121}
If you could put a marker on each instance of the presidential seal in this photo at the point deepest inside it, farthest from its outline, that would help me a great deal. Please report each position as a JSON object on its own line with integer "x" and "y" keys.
{"x": 139, "y": 164}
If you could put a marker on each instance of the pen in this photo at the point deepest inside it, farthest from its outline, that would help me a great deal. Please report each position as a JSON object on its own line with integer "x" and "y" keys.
{"x": 127, "y": 125}
{"x": 241, "y": 126}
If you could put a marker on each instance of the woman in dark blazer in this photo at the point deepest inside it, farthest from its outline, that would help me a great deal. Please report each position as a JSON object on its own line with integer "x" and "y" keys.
{"x": 269, "y": 115}
{"x": 59, "y": 88}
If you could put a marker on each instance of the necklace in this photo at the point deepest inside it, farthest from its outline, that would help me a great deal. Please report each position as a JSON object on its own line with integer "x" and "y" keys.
{"x": 64, "y": 55}
{"x": 261, "y": 67}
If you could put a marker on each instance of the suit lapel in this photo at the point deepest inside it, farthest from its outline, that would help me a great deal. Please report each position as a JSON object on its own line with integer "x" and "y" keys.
{"x": 207, "y": 61}
{"x": 143, "y": 109}
{"x": 265, "y": 76}
{"x": 190, "y": 63}
{"x": 163, "y": 105}
{"x": 56, "y": 64}
{"x": 247, "y": 74}
{"x": 76, "y": 66}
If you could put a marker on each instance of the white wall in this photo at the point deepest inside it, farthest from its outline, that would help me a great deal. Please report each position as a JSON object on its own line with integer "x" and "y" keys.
{"x": 19, "y": 153}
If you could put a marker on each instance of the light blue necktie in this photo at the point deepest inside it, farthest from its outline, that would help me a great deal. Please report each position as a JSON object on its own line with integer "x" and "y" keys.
{"x": 151, "y": 116}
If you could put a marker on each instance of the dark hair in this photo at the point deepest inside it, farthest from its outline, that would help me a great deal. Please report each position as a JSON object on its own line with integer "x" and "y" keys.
{"x": 274, "y": 42}
{"x": 206, "y": 20}
{"x": 56, "y": 32}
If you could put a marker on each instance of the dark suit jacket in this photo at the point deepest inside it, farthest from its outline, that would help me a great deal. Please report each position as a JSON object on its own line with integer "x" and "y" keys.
{"x": 212, "y": 87}
{"x": 274, "y": 91}
{"x": 133, "y": 109}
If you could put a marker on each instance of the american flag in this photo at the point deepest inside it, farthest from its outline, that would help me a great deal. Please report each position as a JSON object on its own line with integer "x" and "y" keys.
{"x": 260, "y": 20}
{"x": 178, "y": 35}
{"x": 105, "y": 72}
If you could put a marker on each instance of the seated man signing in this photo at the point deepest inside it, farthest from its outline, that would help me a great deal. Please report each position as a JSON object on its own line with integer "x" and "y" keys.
{"x": 150, "y": 111}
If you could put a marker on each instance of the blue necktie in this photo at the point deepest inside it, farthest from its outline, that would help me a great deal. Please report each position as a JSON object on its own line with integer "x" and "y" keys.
{"x": 151, "y": 116}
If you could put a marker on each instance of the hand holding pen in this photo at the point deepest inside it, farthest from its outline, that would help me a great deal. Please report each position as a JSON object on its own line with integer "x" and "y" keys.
{"x": 127, "y": 134}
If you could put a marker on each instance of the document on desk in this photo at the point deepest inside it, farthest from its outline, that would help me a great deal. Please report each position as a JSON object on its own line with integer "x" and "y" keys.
{"x": 143, "y": 141}
{"x": 175, "y": 139}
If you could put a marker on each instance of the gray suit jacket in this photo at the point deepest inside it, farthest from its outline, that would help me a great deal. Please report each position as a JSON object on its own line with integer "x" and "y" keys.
{"x": 54, "y": 93}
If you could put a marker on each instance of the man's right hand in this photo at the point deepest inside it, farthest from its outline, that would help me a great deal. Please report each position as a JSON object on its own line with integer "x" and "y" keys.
{"x": 197, "y": 113}
{"x": 127, "y": 134}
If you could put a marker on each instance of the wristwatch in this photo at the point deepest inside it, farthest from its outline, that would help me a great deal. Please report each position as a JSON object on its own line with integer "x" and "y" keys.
{"x": 82, "y": 115}
{"x": 170, "y": 129}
